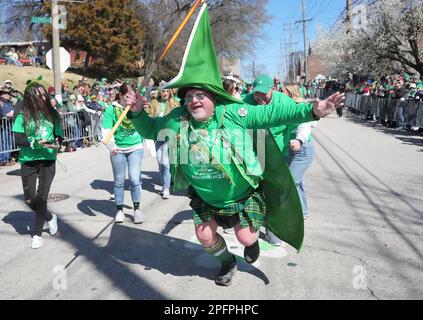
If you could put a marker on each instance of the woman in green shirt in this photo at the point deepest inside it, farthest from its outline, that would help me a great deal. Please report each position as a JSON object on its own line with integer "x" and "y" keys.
{"x": 166, "y": 105}
{"x": 126, "y": 149}
{"x": 38, "y": 133}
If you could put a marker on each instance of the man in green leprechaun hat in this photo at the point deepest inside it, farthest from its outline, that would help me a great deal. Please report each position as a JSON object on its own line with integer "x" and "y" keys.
{"x": 212, "y": 154}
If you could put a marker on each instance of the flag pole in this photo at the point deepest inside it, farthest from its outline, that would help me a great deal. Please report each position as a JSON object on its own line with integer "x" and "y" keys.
{"x": 155, "y": 64}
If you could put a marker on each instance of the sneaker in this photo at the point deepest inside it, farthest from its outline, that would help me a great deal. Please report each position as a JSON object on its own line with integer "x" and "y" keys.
{"x": 138, "y": 216}
{"x": 52, "y": 225}
{"x": 229, "y": 231}
{"x": 37, "y": 242}
{"x": 272, "y": 239}
{"x": 9, "y": 163}
{"x": 166, "y": 194}
{"x": 226, "y": 273}
{"x": 252, "y": 253}
{"x": 120, "y": 217}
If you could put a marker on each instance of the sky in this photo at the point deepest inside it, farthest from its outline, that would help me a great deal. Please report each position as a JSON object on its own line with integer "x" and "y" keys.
{"x": 324, "y": 14}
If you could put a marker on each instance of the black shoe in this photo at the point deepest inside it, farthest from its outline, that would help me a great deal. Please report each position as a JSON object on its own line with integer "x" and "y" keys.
{"x": 252, "y": 253}
{"x": 226, "y": 273}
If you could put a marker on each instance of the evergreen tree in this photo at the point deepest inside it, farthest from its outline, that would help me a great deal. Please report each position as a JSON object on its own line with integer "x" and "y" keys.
{"x": 106, "y": 30}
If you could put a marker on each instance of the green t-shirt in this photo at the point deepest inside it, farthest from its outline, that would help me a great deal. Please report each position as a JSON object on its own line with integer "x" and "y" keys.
{"x": 102, "y": 104}
{"x": 280, "y": 133}
{"x": 219, "y": 183}
{"x": 35, "y": 131}
{"x": 125, "y": 136}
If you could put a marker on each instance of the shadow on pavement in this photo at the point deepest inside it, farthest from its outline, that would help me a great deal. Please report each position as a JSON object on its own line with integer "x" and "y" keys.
{"x": 151, "y": 179}
{"x": 21, "y": 221}
{"x": 177, "y": 220}
{"x": 16, "y": 172}
{"x": 166, "y": 254}
{"x": 411, "y": 138}
{"x": 123, "y": 279}
{"x": 102, "y": 185}
{"x": 106, "y": 207}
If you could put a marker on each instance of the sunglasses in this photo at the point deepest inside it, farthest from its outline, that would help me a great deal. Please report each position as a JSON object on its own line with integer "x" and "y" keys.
{"x": 200, "y": 97}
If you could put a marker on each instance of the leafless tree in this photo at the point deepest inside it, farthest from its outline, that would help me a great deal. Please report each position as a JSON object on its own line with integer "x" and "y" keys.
{"x": 235, "y": 25}
{"x": 16, "y": 21}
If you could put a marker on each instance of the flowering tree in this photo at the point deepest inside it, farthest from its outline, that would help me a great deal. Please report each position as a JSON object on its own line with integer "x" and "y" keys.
{"x": 390, "y": 40}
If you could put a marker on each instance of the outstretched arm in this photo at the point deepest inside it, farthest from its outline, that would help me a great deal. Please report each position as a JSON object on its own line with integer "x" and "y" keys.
{"x": 285, "y": 111}
{"x": 147, "y": 127}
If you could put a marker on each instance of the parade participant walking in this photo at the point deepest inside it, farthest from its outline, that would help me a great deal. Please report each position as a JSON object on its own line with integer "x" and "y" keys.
{"x": 38, "y": 133}
{"x": 126, "y": 150}
{"x": 167, "y": 104}
{"x": 209, "y": 128}
{"x": 264, "y": 93}
{"x": 302, "y": 152}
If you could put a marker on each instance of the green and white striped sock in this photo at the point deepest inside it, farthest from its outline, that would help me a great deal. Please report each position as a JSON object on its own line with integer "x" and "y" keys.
{"x": 220, "y": 251}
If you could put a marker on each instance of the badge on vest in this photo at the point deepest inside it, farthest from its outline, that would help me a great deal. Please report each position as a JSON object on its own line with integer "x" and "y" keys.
{"x": 242, "y": 112}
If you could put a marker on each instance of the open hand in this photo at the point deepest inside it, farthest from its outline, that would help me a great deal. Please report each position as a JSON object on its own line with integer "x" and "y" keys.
{"x": 323, "y": 108}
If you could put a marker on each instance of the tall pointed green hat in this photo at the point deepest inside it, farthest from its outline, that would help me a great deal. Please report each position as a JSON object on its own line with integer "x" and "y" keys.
{"x": 200, "y": 68}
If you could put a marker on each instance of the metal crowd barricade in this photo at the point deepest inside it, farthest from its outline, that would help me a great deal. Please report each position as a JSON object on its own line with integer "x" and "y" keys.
{"x": 7, "y": 139}
{"x": 419, "y": 115}
{"x": 76, "y": 126}
{"x": 391, "y": 109}
{"x": 386, "y": 109}
{"x": 357, "y": 102}
{"x": 348, "y": 99}
{"x": 411, "y": 113}
{"x": 373, "y": 106}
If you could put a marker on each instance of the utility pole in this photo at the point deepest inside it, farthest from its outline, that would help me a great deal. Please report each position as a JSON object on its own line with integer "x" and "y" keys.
{"x": 290, "y": 27}
{"x": 56, "y": 49}
{"x": 304, "y": 22}
{"x": 349, "y": 16}
{"x": 286, "y": 61}
{"x": 254, "y": 69}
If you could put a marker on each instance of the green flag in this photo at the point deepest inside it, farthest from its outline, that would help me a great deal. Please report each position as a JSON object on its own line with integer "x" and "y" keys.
{"x": 200, "y": 68}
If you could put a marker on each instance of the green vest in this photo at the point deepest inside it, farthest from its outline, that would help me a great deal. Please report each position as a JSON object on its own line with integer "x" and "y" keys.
{"x": 232, "y": 121}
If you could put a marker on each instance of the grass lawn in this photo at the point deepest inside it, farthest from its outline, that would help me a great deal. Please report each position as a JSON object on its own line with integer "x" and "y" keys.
{"x": 19, "y": 76}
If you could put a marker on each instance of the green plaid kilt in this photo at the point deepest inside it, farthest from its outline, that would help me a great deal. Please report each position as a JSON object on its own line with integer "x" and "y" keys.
{"x": 250, "y": 212}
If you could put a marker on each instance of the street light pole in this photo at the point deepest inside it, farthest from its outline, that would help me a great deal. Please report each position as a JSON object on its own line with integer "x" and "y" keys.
{"x": 56, "y": 50}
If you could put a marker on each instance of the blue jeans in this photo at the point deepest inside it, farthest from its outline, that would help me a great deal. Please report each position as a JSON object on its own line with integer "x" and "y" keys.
{"x": 119, "y": 162}
{"x": 400, "y": 113}
{"x": 11, "y": 60}
{"x": 299, "y": 162}
{"x": 164, "y": 165}
{"x": 6, "y": 144}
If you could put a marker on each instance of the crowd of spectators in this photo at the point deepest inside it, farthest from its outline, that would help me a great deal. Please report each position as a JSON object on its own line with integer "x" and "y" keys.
{"x": 29, "y": 56}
